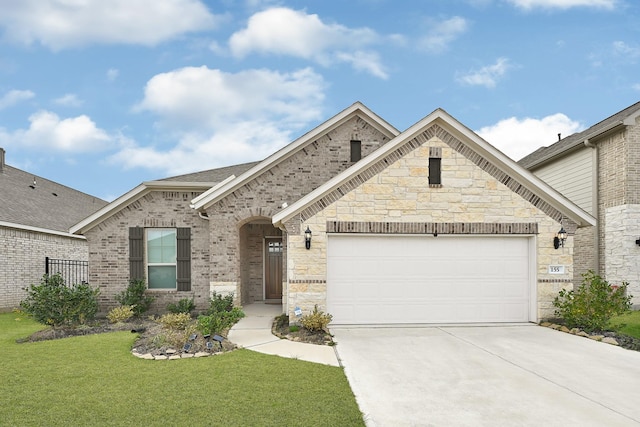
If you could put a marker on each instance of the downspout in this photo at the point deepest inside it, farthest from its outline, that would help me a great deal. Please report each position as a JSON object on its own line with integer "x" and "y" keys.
{"x": 595, "y": 177}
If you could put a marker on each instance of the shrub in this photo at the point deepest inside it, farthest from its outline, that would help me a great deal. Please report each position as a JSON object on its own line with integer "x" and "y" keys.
{"x": 120, "y": 314}
{"x": 593, "y": 304}
{"x": 219, "y": 303}
{"x": 218, "y": 322}
{"x": 185, "y": 305}
{"x": 175, "y": 320}
{"x": 134, "y": 295}
{"x": 316, "y": 321}
{"x": 56, "y": 304}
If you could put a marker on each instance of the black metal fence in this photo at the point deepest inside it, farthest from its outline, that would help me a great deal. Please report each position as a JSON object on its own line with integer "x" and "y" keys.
{"x": 72, "y": 271}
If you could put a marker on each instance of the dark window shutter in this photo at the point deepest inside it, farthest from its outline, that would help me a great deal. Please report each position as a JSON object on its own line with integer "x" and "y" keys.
{"x": 435, "y": 174}
{"x": 183, "y": 259}
{"x": 136, "y": 253}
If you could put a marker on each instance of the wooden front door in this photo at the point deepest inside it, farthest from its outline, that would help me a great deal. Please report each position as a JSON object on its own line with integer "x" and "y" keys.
{"x": 273, "y": 268}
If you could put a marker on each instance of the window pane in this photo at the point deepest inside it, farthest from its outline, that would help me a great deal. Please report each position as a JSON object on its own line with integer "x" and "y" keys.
{"x": 162, "y": 277}
{"x": 161, "y": 246}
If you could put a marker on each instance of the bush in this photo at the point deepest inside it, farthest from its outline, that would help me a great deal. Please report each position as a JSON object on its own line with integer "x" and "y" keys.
{"x": 134, "y": 295}
{"x": 219, "y": 303}
{"x": 56, "y": 304}
{"x": 218, "y": 322}
{"x": 316, "y": 321}
{"x": 185, "y": 305}
{"x": 120, "y": 314}
{"x": 593, "y": 304}
{"x": 176, "y": 321}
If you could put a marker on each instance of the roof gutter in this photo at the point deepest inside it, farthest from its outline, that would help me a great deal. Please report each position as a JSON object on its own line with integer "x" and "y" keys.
{"x": 40, "y": 230}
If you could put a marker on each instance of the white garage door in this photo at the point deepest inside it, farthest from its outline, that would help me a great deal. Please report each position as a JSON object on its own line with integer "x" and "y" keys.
{"x": 425, "y": 279}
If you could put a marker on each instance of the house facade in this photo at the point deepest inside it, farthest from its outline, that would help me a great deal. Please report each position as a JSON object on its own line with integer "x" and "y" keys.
{"x": 234, "y": 246}
{"x": 598, "y": 170}
{"x": 35, "y": 216}
{"x": 431, "y": 225}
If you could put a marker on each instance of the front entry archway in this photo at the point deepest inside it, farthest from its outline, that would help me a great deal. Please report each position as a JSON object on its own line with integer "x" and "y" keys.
{"x": 261, "y": 261}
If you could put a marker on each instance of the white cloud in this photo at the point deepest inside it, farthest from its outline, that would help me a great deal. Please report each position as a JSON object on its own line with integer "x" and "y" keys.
{"x": 223, "y": 118}
{"x": 48, "y": 131}
{"x": 630, "y": 52}
{"x": 13, "y": 97}
{"x": 112, "y": 74}
{"x": 207, "y": 98}
{"x": 442, "y": 34}
{"x": 283, "y": 31}
{"x": 520, "y": 137}
{"x": 563, "y": 4}
{"x": 239, "y": 143}
{"x": 487, "y": 76}
{"x": 69, "y": 100}
{"x": 61, "y": 24}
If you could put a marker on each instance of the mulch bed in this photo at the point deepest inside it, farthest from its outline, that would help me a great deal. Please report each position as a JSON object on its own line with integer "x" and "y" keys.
{"x": 281, "y": 329}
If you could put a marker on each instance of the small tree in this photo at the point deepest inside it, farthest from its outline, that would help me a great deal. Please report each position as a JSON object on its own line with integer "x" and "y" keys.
{"x": 135, "y": 295}
{"x": 54, "y": 303}
{"x": 593, "y": 304}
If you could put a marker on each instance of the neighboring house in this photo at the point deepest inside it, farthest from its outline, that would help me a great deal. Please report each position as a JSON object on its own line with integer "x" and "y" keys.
{"x": 35, "y": 217}
{"x": 599, "y": 170}
{"x": 431, "y": 225}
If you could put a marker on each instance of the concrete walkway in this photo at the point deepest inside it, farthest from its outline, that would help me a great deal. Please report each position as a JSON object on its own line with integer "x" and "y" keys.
{"x": 253, "y": 332}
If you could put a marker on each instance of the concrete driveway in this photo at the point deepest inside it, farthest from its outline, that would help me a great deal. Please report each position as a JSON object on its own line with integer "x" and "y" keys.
{"x": 489, "y": 376}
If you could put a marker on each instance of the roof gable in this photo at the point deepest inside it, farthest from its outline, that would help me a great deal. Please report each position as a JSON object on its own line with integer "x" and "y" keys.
{"x": 197, "y": 181}
{"x": 572, "y": 142}
{"x": 460, "y": 138}
{"x": 355, "y": 110}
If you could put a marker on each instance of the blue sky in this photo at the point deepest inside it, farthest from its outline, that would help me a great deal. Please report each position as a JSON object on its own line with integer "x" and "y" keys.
{"x": 101, "y": 95}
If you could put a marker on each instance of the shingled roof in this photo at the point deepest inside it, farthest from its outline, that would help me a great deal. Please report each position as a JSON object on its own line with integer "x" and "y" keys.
{"x": 33, "y": 201}
{"x": 212, "y": 175}
{"x": 575, "y": 140}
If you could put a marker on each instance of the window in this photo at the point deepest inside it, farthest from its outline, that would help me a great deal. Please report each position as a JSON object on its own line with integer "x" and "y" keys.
{"x": 356, "y": 150}
{"x": 435, "y": 171}
{"x": 161, "y": 258}
{"x": 166, "y": 254}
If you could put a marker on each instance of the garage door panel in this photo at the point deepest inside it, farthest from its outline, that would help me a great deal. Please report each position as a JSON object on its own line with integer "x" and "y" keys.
{"x": 411, "y": 279}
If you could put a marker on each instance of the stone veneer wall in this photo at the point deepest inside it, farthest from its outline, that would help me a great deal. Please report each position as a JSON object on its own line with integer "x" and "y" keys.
{"x": 399, "y": 192}
{"x": 612, "y": 165}
{"x": 263, "y": 196}
{"x": 22, "y": 260}
{"x": 622, "y": 255}
{"x": 109, "y": 247}
{"x": 619, "y": 207}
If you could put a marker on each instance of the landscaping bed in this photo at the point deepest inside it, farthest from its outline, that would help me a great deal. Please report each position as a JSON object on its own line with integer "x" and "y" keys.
{"x": 608, "y": 337}
{"x": 282, "y": 329}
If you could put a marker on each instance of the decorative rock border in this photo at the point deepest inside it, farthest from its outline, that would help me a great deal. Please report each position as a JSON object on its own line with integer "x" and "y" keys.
{"x": 172, "y": 355}
{"x": 581, "y": 333}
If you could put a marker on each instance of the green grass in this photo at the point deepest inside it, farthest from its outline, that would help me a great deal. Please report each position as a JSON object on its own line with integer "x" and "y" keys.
{"x": 95, "y": 381}
{"x": 630, "y": 324}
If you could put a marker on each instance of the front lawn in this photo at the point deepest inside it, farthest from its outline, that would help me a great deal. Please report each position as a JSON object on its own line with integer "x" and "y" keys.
{"x": 94, "y": 380}
{"x": 630, "y": 322}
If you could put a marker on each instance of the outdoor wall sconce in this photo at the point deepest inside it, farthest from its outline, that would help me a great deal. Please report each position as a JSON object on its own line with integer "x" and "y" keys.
{"x": 560, "y": 238}
{"x": 307, "y": 238}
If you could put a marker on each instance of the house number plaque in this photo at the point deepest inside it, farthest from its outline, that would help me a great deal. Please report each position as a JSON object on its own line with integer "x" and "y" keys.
{"x": 556, "y": 269}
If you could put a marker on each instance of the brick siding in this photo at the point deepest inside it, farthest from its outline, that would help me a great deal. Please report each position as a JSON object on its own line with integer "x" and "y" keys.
{"x": 22, "y": 260}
